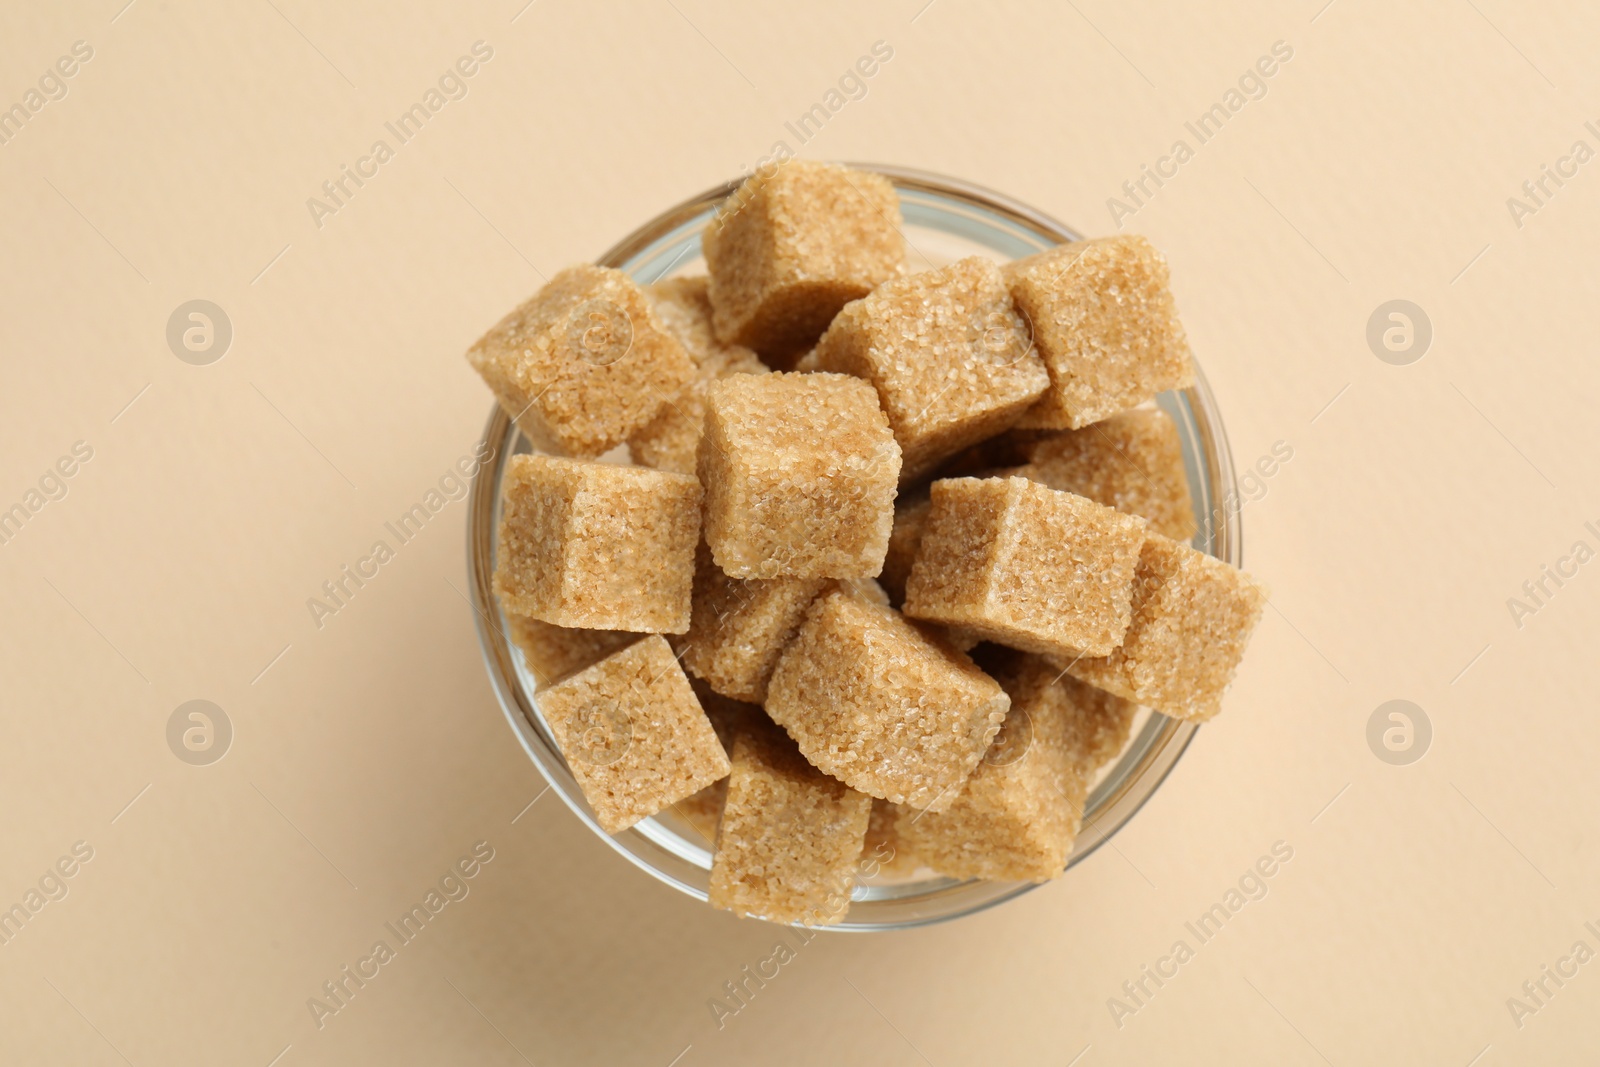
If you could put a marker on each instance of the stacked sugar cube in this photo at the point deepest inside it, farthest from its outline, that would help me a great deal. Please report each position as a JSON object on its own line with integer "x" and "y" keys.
{"x": 702, "y": 613}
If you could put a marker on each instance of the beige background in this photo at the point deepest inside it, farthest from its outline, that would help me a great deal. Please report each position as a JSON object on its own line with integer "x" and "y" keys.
{"x": 370, "y": 754}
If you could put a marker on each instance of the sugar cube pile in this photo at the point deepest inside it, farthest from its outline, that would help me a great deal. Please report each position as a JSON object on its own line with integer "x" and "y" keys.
{"x": 858, "y": 570}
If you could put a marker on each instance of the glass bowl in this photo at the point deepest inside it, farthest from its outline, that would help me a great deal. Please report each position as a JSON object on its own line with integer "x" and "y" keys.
{"x": 945, "y": 219}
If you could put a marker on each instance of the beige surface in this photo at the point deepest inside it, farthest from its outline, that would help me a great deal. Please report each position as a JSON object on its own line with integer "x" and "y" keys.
{"x": 369, "y": 755}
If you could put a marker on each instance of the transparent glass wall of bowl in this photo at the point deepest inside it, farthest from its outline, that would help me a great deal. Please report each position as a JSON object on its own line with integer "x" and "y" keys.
{"x": 944, "y": 220}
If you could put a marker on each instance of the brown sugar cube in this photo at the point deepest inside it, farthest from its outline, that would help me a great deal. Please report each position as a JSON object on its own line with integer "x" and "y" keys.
{"x": 951, "y": 359}
{"x": 1100, "y": 722}
{"x": 1101, "y": 729}
{"x": 961, "y": 638}
{"x": 885, "y": 851}
{"x": 790, "y": 836}
{"x": 728, "y": 716}
{"x": 597, "y": 545}
{"x": 1192, "y": 618}
{"x": 583, "y": 363}
{"x": 794, "y": 244}
{"x": 684, "y": 307}
{"x": 670, "y": 440}
{"x": 905, "y": 537}
{"x": 800, "y": 473}
{"x": 702, "y": 810}
{"x": 1010, "y": 448}
{"x": 880, "y": 827}
{"x": 633, "y": 734}
{"x": 1019, "y": 814}
{"x": 1131, "y": 461}
{"x": 554, "y": 652}
{"x": 740, "y": 625}
{"x": 867, "y": 589}
{"x": 1106, "y": 325}
{"x": 1027, "y": 566}
{"x": 881, "y": 705}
